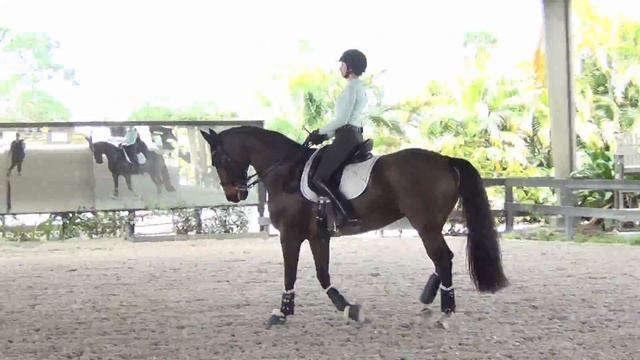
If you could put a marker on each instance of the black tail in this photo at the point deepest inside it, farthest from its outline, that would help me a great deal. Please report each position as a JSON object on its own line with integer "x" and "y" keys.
{"x": 483, "y": 249}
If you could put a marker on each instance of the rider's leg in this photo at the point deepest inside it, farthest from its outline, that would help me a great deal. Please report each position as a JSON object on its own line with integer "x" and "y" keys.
{"x": 346, "y": 140}
{"x": 131, "y": 154}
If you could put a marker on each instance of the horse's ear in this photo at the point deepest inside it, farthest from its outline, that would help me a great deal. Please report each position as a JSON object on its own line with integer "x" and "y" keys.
{"x": 211, "y": 137}
{"x": 205, "y": 135}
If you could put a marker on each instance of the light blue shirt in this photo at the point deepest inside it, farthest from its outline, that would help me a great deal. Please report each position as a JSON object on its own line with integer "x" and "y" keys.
{"x": 130, "y": 137}
{"x": 349, "y": 106}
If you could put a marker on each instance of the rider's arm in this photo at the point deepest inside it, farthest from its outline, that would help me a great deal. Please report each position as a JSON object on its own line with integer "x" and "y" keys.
{"x": 344, "y": 107}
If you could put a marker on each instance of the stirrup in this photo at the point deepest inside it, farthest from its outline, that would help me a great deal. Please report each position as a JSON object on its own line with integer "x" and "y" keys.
{"x": 345, "y": 220}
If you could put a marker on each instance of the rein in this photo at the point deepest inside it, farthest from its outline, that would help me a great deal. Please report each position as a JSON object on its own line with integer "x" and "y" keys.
{"x": 258, "y": 177}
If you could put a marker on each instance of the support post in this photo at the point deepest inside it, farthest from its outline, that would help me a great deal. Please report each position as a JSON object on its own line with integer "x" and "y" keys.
{"x": 508, "y": 200}
{"x": 561, "y": 97}
{"x": 262, "y": 201}
{"x": 197, "y": 213}
{"x": 131, "y": 225}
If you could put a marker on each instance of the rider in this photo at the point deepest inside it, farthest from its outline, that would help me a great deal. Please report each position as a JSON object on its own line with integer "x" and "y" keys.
{"x": 17, "y": 153}
{"x": 346, "y": 129}
{"x": 129, "y": 145}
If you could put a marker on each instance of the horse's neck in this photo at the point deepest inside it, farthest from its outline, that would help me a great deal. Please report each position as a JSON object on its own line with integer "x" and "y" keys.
{"x": 272, "y": 159}
{"x": 265, "y": 154}
{"x": 110, "y": 152}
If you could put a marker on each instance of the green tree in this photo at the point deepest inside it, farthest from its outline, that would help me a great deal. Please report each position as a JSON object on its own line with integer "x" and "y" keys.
{"x": 197, "y": 111}
{"x": 314, "y": 92}
{"x": 29, "y": 63}
{"x": 607, "y": 92}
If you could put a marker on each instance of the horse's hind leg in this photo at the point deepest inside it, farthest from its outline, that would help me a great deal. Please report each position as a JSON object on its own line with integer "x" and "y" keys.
{"x": 157, "y": 181}
{"x": 127, "y": 178}
{"x": 431, "y": 234}
{"x": 165, "y": 177}
{"x": 441, "y": 255}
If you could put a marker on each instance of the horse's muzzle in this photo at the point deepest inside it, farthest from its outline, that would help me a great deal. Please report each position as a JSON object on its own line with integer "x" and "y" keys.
{"x": 242, "y": 193}
{"x": 237, "y": 193}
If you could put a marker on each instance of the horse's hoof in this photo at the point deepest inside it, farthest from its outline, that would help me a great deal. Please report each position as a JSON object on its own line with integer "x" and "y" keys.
{"x": 444, "y": 322}
{"x": 277, "y": 318}
{"x": 354, "y": 312}
{"x": 426, "y": 312}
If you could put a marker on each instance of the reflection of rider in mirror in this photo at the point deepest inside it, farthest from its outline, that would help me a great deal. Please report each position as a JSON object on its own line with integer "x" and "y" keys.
{"x": 130, "y": 147}
{"x": 17, "y": 153}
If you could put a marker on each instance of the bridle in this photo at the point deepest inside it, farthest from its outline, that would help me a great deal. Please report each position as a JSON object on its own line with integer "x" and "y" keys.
{"x": 238, "y": 177}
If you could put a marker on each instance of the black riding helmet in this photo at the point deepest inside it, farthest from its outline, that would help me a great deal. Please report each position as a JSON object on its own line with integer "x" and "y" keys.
{"x": 355, "y": 60}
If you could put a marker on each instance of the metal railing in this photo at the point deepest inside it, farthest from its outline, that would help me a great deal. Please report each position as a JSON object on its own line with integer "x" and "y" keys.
{"x": 566, "y": 208}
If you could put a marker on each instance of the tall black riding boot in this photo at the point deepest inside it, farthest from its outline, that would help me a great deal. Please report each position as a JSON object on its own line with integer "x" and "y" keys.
{"x": 342, "y": 205}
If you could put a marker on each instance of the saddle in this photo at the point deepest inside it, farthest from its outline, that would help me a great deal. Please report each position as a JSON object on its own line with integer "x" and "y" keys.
{"x": 360, "y": 154}
{"x": 351, "y": 178}
{"x": 141, "y": 158}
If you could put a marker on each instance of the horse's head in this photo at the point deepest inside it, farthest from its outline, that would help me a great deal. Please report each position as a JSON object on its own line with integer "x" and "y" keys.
{"x": 97, "y": 151}
{"x": 97, "y": 155}
{"x": 231, "y": 165}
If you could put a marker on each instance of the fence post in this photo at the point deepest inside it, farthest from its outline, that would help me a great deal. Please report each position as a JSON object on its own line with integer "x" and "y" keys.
{"x": 131, "y": 225}
{"x": 64, "y": 226}
{"x": 618, "y": 175}
{"x": 618, "y": 196}
{"x": 197, "y": 213}
{"x": 508, "y": 200}
{"x": 566, "y": 199}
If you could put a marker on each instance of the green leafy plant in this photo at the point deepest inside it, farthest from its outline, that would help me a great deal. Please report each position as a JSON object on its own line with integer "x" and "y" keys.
{"x": 226, "y": 220}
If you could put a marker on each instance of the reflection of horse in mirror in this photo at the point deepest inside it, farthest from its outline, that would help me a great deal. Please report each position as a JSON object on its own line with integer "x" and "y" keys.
{"x": 165, "y": 133}
{"x": 119, "y": 165}
{"x": 420, "y": 185}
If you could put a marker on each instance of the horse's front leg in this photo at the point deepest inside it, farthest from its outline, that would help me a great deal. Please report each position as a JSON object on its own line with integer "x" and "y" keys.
{"x": 115, "y": 184}
{"x": 290, "y": 252}
{"x": 321, "y": 254}
{"x": 127, "y": 178}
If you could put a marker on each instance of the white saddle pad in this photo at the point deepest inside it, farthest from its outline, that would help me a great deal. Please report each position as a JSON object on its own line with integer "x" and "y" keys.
{"x": 353, "y": 182}
{"x": 117, "y": 140}
{"x": 141, "y": 158}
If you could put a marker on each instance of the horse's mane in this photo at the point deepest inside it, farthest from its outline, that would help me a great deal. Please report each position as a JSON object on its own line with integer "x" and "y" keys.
{"x": 292, "y": 150}
{"x": 104, "y": 143}
{"x": 273, "y": 137}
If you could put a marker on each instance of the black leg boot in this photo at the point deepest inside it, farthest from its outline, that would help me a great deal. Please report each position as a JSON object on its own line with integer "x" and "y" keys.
{"x": 342, "y": 205}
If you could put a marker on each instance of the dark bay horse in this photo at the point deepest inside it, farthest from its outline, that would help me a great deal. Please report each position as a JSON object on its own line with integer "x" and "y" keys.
{"x": 119, "y": 165}
{"x": 418, "y": 184}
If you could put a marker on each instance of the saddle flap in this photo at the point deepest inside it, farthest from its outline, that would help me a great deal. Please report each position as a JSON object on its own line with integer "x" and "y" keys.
{"x": 351, "y": 179}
